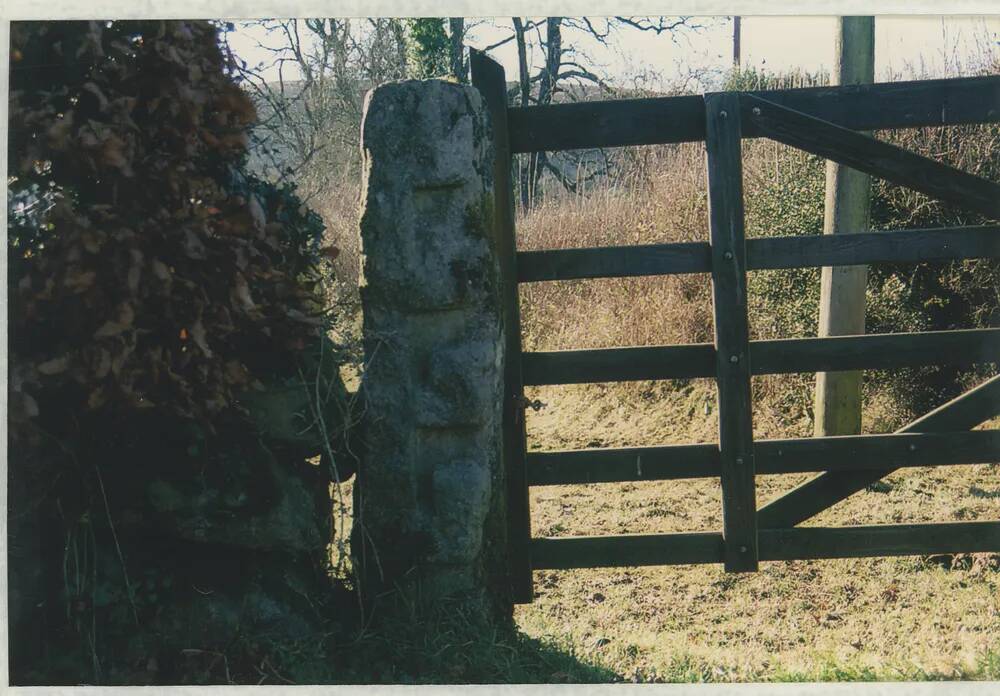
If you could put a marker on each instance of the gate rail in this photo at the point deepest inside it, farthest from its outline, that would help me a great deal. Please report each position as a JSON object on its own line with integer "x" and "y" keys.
{"x": 819, "y": 120}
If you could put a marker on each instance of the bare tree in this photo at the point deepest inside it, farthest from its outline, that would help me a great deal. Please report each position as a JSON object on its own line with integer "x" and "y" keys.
{"x": 309, "y": 93}
{"x": 456, "y": 29}
{"x": 737, "y": 35}
{"x": 548, "y": 79}
{"x": 524, "y": 83}
{"x": 564, "y": 74}
{"x": 310, "y": 110}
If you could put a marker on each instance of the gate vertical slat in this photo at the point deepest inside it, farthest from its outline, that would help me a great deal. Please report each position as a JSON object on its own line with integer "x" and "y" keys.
{"x": 488, "y": 76}
{"x": 729, "y": 300}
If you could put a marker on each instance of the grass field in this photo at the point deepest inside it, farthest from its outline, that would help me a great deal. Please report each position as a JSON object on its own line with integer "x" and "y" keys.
{"x": 880, "y": 618}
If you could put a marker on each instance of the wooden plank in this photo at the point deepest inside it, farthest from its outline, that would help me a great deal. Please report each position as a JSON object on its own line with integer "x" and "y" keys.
{"x": 488, "y": 76}
{"x": 908, "y": 104}
{"x": 779, "y": 356}
{"x": 784, "y": 456}
{"x": 611, "y": 123}
{"x": 613, "y": 262}
{"x": 801, "y": 543}
{"x": 901, "y": 246}
{"x": 812, "y": 497}
{"x": 619, "y": 364}
{"x": 875, "y": 351}
{"x": 872, "y": 156}
{"x": 626, "y": 550}
{"x": 621, "y": 122}
{"x": 623, "y": 464}
{"x": 723, "y": 148}
{"x": 859, "y": 452}
{"x": 878, "y": 540}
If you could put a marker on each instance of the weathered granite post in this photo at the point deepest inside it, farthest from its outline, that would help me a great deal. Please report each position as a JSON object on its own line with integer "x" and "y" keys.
{"x": 429, "y": 507}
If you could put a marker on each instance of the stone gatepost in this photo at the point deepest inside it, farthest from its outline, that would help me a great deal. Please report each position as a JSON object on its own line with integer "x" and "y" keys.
{"x": 429, "y": 505}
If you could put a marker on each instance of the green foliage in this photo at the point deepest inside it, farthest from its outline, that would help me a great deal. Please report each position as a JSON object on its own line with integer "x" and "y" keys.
{"x": 989, "y": 666}
{"x": 429, "y": 47}
{"x": 784, "y": 195}
{"x": 933, "y": 296}
{"x": 786, "y": 199}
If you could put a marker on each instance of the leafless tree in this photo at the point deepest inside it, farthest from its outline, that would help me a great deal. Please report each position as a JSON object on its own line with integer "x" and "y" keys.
{"x": 312, "y": 109}
{"x": 565, "y": 74}
{"x": 456, "y": 30}
{"x": 310, "y": 92}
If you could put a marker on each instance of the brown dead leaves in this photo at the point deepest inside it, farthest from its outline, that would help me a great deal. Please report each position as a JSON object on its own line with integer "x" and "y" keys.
{"x": 154, "y": 285}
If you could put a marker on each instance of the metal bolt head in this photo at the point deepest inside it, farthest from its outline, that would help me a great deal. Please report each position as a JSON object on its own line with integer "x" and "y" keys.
{"x": 723, "y": 114}
{"x": 734, "y": 358}
{"x": 743, "y": 549}
{"x": 913, "y": 447}
{"x": 756, "y": 111}
{"x": 728, "y": 255}
{"x": 739, "y": 461}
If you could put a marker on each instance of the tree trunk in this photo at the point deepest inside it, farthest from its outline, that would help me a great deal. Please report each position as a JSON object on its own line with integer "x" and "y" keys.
{"x": 525, "y": 84}
{"x": 398, "y": 30}
{"x": 736, "y": 41}
{"x": 547, "y": 87}
{"x": 848, "y": 202}
{"x": 456, "y": 26}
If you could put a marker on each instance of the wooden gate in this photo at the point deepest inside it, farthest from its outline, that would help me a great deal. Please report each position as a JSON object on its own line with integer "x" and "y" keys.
{"x": 822, "y": 121}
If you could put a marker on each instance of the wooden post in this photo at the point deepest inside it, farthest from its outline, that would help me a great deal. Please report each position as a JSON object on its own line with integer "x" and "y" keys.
{"x": 736, "y": 42}
{"x": 488, "y": 77}
{"x": 848, "y": 200}
{"x": 732, "y": 346}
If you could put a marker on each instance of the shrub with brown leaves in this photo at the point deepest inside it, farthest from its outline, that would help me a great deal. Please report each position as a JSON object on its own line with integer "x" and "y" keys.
{"x": 145, "y": 271}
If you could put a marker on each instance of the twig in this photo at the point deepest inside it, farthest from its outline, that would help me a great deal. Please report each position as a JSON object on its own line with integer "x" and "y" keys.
{"x": 216, "y": 655}
{"x": 318, "y": 419}
{"x": 114, "y": 535}
{"x": 93, "y": 614}
{"x": 275, "y": 672}
{"x": 107, "y": 509}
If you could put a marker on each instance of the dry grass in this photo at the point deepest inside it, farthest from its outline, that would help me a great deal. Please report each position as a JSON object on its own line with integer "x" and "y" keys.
{"x": 662, "y": 201}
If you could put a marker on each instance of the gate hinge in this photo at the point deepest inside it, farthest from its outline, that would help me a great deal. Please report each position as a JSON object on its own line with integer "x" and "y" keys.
{"x": 521, "y": 404}
{"x": 535, "y": 405}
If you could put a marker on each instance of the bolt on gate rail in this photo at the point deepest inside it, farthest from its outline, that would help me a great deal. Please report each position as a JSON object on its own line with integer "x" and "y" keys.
{"x": 822, "y": 121}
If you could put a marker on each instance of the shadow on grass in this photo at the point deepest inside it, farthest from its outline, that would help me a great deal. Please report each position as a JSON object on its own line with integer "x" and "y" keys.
{"x": 977, "y": 492}
{"x": 451, "y": 646}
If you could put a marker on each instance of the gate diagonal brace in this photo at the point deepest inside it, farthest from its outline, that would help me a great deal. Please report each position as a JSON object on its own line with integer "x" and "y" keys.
{"x": 874, "y": 157}
{"x": 964, "y": 412}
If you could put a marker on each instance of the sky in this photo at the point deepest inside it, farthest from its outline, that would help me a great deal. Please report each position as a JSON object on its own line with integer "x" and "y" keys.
{"x": 937, "y": 45}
